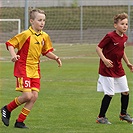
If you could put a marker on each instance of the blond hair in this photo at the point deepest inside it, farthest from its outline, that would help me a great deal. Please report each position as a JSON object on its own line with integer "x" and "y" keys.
{"x": 120, "y": 16}
{"x": 33, "y": 11}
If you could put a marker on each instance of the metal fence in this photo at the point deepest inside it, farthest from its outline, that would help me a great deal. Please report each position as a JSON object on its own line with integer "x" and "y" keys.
{"x": 68, "y": 21}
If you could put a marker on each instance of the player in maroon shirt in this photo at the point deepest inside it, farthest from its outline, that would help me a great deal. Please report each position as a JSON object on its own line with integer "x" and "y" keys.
{"x": 112, "y": 78}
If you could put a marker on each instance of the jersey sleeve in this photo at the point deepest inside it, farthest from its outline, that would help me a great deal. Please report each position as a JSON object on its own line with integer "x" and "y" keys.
{"x": 47, "y": 45}
{"x": 12, "y": 42}
{"x": 104, "y": 41}
{"x": 17, "y": 41}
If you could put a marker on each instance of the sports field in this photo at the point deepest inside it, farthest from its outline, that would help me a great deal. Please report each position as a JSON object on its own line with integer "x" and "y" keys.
{"x": 68, "y": 101}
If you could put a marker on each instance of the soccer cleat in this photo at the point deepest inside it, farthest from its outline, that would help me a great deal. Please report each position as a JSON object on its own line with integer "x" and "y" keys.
{"x": 5, "y": 115}
{"x": 102, "y": 120}
{"x": 20, "y": 125}
{"x": 126, "y": 117}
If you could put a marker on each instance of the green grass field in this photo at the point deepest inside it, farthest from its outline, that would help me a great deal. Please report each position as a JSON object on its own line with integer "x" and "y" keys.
{"x": 68, "y": 101}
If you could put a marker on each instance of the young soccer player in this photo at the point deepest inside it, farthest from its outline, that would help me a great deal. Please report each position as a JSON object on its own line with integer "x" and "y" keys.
{"x": 30, "y": 43}
{"x": 112, "y": 78}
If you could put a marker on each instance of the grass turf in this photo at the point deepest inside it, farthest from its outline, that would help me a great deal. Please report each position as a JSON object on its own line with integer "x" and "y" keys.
{"x": 68, "y": 101}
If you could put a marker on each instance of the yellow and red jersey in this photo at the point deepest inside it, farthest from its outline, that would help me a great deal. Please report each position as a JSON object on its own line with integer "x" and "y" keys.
{"x": 30, "y": 46}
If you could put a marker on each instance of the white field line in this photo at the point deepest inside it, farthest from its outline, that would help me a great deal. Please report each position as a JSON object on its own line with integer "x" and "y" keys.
{"x": 7, "y": 59}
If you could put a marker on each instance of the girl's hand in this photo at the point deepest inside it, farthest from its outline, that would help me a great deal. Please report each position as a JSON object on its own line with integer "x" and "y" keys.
{"x": 130, "y": 66}
{"x": 108, "y": 63}
{"x": 15, "y": 58}
{"x": 59, "y": 62}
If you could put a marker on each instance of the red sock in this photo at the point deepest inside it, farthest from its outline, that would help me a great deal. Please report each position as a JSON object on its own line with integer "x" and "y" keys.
{"x": 14, "y": 104}
{"x": 22, "y": 116}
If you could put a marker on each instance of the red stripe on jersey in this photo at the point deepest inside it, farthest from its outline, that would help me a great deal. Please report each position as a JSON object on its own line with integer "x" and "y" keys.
{"x": 20, "y": 65}
{"x": 8, "y": 44}
{"x": 50, "y": 50}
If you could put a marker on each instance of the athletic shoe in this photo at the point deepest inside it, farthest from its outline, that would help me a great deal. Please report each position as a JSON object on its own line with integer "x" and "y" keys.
{"x": 20, "y": 125}
{"x": 102, "y": 120}
{"x": 5, "y": 115}
{"x": 126, "y": 118}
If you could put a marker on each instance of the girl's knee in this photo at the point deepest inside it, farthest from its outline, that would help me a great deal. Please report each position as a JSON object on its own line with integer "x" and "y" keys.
{"x": 28, "y": 96}
{"x": 35, "y": 96}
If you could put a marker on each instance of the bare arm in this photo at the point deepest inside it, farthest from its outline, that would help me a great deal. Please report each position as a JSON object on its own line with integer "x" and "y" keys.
{"x": 126, "y": 59}
{"x": 54, "y": 57}
{"x": 106, "y": 61}
{"x": 14, "y": 56}
{"x": 130, "y": 66}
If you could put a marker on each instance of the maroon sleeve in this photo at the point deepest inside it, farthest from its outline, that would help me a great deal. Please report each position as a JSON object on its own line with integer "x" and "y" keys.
{"x": 104, "y": 41}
